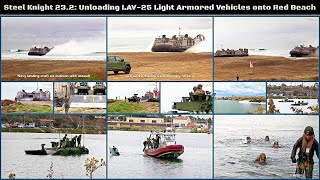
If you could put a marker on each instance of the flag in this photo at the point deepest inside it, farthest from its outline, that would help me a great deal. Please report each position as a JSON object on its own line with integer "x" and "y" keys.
{"x": 251, "y": 63}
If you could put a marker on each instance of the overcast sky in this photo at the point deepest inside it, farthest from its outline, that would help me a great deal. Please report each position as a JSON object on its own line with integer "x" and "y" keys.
{"x": 174, "y": 91}
{"x": 127, "y": 89}
{"x": 275, "y": 33}
{"x": 24, "y": 32}
{"x": 225, "y": 89}
{"x": 9, "y": 89}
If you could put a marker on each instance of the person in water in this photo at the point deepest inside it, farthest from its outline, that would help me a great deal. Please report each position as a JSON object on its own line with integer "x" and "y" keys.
{"x": 115, "y": 150}
{"x": 262, "y": 158}
{"x": 267, "y": 138}
{"x": 248, "y": 140}
{"x": 307, "y": 145}
{"x": 276, "y": 145}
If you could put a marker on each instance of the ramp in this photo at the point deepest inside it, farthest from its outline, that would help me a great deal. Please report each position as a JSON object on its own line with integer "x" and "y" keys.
{"x": 88, "y": 101}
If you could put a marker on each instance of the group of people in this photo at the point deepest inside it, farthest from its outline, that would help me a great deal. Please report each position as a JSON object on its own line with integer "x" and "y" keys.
{"x": 74, "y": 142}
{"x": 307, "y": 145}
{"x": 152, "y": 143}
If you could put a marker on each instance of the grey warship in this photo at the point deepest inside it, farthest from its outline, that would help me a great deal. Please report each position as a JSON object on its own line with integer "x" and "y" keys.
{"x": 178, "y": 43}
{"x": 303, "y": 51}
{"x": 34, "y": 51}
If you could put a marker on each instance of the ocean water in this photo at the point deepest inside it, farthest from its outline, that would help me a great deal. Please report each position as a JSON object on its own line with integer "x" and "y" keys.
{"x": 285, "y": 107}
{"x": 228, "y": 106}
{"x": 233, "y": 159}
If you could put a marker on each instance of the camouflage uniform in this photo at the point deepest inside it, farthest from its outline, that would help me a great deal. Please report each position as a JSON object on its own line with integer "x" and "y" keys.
{"x": 66, "y": 104}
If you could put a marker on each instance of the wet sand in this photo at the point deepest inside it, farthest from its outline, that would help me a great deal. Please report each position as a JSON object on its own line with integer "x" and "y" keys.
{"x": 265, "y": 68}
{"x": 52, "y": 69}
{"x": 165, "y": 66}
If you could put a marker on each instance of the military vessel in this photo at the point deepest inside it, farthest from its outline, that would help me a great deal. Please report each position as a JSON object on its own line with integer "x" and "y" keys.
{"x": 178, "y": 43}
{"x": 64, "y": 147}
{"x": 303, "y": 51}
{"x": 231, "y": 53}
{"x": 198, "y": 101}
{"x": 38, "y": 95}
{"x": 34, "y": 51}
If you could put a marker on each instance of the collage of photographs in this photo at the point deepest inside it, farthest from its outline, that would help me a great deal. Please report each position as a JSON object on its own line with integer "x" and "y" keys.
{"x": 159, "y": 97}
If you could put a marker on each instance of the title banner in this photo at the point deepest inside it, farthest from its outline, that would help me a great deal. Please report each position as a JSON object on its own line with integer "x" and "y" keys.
{"x": 145, "y": 7}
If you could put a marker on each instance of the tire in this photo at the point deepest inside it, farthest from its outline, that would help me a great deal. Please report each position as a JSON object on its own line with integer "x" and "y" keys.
{"x": 127, "y": 70}
{"x": 116, "y": 72}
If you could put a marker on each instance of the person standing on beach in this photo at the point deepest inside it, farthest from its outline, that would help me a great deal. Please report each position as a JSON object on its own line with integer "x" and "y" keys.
{"x": 66, "y": 104}
{"x": 238, "y": 77}
{"x": 307, "y": 145}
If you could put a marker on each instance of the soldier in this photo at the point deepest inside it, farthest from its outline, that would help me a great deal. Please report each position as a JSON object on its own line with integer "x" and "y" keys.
{"x": 79, "y": 140}
{"x": 307, "y": 145}
{"x": 199, "y": 90}
{"x": 66, "y": 104}
{"x": 194, "y": 89}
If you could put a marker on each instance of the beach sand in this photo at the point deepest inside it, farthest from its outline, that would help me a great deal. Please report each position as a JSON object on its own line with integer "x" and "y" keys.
{"x": 265, "y": 68}
{"x": 165, "y": 66}
{"x": 51, "y": 69}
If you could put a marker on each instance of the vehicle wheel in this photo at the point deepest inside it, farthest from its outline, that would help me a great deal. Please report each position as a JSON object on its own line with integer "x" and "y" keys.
{"x": 116, "y": 72}
{"x": 127, "y": 70}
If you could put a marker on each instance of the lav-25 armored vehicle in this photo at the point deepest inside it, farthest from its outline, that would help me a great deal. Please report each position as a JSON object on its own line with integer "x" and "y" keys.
{"x": 303, "y": 51}
{"x": 34, "y": 51}
{"x": 33, "y": 96}
{"x": 231, "y": 53}
{"x": 178, "y": 43}
{"x": 99, "y": 88}
{"x": 134, "y": 98}
{"x": 82, "y": 88}
{"x": 197, "y": 102}
{"x": 116, "y": 64}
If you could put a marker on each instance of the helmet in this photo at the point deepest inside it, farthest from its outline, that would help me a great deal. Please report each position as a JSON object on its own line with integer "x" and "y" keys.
{"x": 308, "y": 131}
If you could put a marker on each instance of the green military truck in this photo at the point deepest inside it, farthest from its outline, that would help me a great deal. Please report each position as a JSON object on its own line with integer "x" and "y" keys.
{"x": 116, "y": 64}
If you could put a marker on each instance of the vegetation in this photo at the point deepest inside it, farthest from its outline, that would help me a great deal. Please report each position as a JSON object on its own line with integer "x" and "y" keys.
{"x": 92, "y": 165}
{"x": 124, "y": 107}
{"x": 50, "y": 171}
{"x": 272, "y": 108}
{"x": 57, "y": 130}
{"x": 260, "y": 110}
{"x": 24, "y": 108}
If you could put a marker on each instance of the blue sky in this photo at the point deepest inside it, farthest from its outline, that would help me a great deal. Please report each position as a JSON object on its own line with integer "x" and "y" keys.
{"x": 224, "y": 89}
{"x": 9, "y": 89}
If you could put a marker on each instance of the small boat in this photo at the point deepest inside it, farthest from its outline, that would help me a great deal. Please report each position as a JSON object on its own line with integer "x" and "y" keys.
{"x": 165, "y": 147}
{"x": 114, "y": 151}
{"x": 286, "y": 100}
{"x": 300, "y": 103}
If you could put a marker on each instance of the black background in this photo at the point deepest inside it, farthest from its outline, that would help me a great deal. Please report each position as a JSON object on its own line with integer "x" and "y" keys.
{"x": 154, "y": 12}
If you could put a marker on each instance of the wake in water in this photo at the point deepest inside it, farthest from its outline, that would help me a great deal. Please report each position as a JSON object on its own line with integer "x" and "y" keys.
{"x": 203, "y": 46}
{"x": 79, "y": 47}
